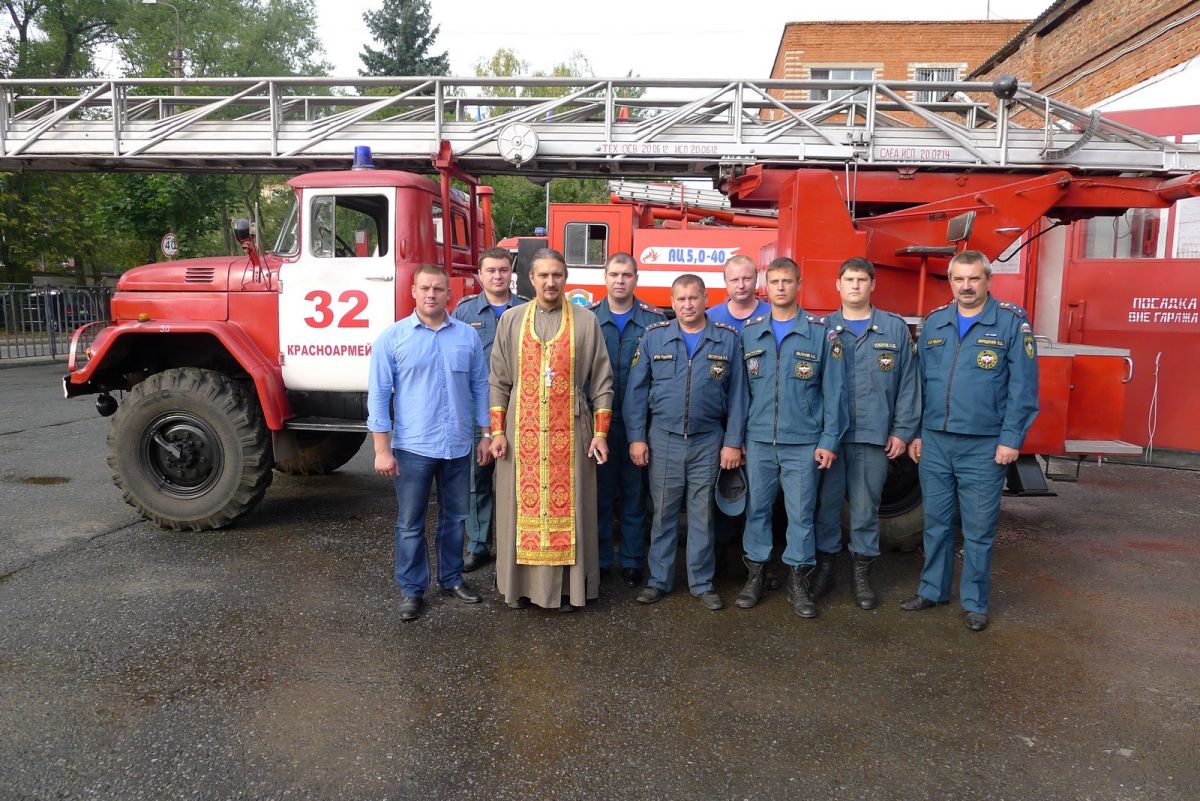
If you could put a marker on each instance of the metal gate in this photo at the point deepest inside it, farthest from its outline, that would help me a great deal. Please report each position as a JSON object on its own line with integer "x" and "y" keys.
{"x": 39, "y": 320}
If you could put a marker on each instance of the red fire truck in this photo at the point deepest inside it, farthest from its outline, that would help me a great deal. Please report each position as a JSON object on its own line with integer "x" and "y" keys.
{"x": 234, "y": 366}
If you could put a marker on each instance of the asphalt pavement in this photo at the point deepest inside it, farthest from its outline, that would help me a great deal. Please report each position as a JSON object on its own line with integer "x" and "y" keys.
{"x": 267, "y": 661}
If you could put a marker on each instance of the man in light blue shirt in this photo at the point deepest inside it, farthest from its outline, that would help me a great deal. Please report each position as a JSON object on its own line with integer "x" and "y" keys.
{"x": 428, "y": 387}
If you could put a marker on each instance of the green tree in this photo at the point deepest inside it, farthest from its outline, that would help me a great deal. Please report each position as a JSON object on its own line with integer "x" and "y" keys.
{"x": 405, "y": 31}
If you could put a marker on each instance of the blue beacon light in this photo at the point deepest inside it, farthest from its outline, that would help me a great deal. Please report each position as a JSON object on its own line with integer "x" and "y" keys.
{"x": 362, "y": 158}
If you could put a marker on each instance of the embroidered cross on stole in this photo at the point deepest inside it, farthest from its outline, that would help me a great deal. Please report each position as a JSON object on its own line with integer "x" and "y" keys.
{"x": 545, "y": 447}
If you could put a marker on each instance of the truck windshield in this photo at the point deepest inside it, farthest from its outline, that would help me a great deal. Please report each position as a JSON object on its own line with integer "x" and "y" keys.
{"x": 287, "y": 244}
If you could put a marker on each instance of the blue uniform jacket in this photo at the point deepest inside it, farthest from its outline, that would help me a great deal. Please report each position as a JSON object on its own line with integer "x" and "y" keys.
{"x": 882, "y": 391}
{"x": 796, "y": 397}
{"x": 688, "y": 396}
{"x": 986, "y": 384}
{"x": 475, "y": 311}
{"x": 621, "y": 348}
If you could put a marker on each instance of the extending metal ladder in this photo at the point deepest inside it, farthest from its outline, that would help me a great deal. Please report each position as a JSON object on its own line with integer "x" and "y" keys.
{"x": 555, "y": 126}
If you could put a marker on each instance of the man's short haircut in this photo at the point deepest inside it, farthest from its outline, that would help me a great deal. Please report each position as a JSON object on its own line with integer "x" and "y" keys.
{"x": 431, "y": 269}
{"x": 496, "y": 253}
{"x": 970, "y": 257}
{"x": 621, "y": 258}
{"x": 784, "y": 263}
{"x": 857, "y": 263}
{"x": 688, "y": 279}
{"x": 739, "y": 259}
{"x": 548, "y": 253}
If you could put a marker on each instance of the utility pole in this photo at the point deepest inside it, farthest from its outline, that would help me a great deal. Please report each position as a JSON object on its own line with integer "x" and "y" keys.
{"x": 177, "y": 53}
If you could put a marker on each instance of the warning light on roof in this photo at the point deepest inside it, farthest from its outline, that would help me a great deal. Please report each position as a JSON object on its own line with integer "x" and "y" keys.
{"x": 362, "y": 158}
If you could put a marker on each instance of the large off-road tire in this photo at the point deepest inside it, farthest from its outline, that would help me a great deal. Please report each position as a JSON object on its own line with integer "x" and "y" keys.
{"x": 322, "y": 452}
{"x": 189, "y": 449}
{"x": 901, "y": 513}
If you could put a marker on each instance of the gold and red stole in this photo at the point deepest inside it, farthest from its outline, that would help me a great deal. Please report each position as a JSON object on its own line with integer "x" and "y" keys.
{"x": 545, "y": 448}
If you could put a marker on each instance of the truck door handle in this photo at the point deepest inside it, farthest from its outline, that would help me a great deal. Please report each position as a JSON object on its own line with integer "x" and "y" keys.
{"x": 381, "y": 278}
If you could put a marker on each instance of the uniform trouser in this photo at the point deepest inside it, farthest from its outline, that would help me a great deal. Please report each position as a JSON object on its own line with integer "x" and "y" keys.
{"x": 683, "y": 469}
{"x": 479, "y": 516}
{"x": 767, "y": 468}
{"x": 859, "y": 473}
{"x": 960, "y": 482}
{"x": 417, "y": 476}
{"x": 620, "y": 474}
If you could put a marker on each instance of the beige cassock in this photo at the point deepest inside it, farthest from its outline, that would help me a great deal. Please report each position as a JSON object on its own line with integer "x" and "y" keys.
{"x": 546, "y": 483}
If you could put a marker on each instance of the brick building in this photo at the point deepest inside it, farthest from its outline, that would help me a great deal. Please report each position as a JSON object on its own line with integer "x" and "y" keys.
{"x": 898, "y": 51}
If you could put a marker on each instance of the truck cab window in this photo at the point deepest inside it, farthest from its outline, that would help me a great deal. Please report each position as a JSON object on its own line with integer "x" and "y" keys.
{"x": 349, "y": 226}
{"x": 288, "y": 243}
{"x": 586, "y": 244}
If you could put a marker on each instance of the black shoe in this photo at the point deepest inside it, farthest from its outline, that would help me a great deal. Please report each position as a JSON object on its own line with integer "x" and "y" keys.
{"x": 864, "y": 595}
{"x": 823, "y": 578}
{"x": 520, "y": 603}
{"x": 917, "y": 603}
{"x": 565, "y": 607}
{"x": 711, "y": 600}
{"x": 755, "y": 587}
{"x": 650, "y": 595}
{"x": 976, "y": 621}
{"x": 410, "y": 608}
{"x": 799, "y": 592}
{"x": 474, "y": 561}
{"x": 464, "y": 593}
{"x": 632, "y": 576}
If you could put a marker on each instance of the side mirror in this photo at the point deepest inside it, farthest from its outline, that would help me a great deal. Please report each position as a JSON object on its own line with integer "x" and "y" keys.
{"x": 242, "y": 230}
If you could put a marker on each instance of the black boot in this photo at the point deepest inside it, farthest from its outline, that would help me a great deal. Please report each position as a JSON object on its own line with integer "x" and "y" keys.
{"x": 799, "y": 582}
{"x": 755, "y": 585}
{"x": 822, "y": 579}
{"x": 863, "y": 594}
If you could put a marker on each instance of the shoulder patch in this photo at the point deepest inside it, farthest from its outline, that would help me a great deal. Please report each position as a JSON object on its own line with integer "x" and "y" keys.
{"x": 821, "y": 321}
{"x": 652, "y": 309}
{"x": 1012, "y": 307}
{"x": 594, "y": 305}
{"x": 940, "y": 308}
{"x": 522, "y": 297}
{"x": 758, "y": 319}
{"x": 660, "y": 324}
{"x": 465, "y": 298}
{"x": 726, "y": 326}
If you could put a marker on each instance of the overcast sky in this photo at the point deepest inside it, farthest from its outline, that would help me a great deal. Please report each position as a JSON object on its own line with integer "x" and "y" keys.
{"x": 692, "y": 39}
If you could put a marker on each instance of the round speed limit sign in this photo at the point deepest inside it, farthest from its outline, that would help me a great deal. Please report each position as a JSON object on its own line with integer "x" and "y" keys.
{"x": 170, "y": 247}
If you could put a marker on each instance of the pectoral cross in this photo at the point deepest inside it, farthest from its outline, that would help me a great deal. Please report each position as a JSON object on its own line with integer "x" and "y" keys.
{"x": 549, "y": 373}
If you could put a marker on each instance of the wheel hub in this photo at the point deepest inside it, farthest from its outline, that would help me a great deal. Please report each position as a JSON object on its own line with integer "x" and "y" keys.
{"x": 182, "y": 453}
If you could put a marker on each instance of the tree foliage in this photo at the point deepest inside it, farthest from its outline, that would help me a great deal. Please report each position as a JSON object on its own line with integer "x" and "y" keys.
{"x": 90, "y": 223}
{"x": 405, "y": 33}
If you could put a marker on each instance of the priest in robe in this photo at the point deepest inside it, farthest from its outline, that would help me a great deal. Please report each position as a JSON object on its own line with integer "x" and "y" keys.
{"x": 551, "y": 405}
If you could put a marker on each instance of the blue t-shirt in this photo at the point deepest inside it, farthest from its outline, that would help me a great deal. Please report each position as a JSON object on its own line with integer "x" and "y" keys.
{"x": 621, "y": 319}
{"x": 964, "y": 324}
{"x": 692, "y": 341}
{"x": 857, "y": 326}
{"x": 720, "y": 313}
{"x": 499, "y": 310}
{"x": 781, "y": 328}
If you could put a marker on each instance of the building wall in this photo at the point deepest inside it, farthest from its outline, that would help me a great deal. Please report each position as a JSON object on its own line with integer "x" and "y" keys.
{"x": 1083, "y": 51}
{"x": 892, "y": 49}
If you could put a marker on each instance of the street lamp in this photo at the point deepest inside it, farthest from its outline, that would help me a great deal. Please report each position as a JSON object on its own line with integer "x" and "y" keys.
{"x": 177, "y": 54}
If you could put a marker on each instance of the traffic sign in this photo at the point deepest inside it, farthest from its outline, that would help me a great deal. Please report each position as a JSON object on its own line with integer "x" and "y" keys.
{"x": 170, "y": 247}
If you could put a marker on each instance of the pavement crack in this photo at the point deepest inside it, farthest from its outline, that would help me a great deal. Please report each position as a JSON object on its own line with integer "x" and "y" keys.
{"x": 47, "y": 425}
{"x": 70, "y": 550}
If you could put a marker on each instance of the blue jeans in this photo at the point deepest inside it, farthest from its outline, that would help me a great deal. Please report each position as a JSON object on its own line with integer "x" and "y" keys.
{"x": 417, "y": 475}
{"x": 683, "y": 470}
{"x": 768, "y": 468}
{"x": 961, "y": 484}
{"x": 479, "y": 519}
{"x": 859, "y": 472}
{"x": 620, "y": 475}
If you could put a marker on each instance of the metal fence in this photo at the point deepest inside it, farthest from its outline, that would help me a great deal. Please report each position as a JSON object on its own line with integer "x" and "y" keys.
{"x": 39, "y": 320}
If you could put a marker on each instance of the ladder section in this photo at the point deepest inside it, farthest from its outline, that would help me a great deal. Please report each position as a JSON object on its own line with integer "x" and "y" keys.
{"x": 553, "y": 126}
{"x": 680, "y": 196}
